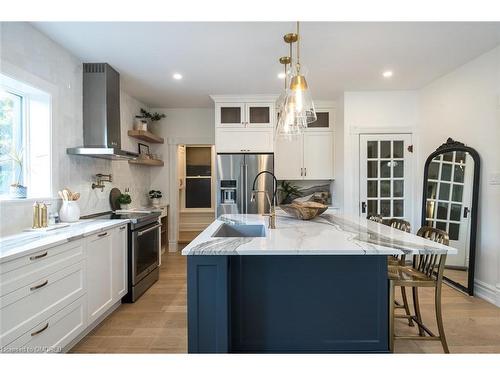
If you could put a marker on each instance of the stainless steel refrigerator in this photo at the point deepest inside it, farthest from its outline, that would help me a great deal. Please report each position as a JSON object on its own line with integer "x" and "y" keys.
{"x": 235, "y": 176}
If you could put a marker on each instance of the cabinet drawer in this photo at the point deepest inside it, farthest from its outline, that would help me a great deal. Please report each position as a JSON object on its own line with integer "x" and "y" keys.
{"x": 30, "y": 268}
{"x": 53, "y": 333}
{"x": 34, "y": 302}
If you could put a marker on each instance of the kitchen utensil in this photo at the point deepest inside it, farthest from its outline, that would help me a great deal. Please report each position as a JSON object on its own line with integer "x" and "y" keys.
{"x": 76, "y": 196}
{"x": 114, "y": 194}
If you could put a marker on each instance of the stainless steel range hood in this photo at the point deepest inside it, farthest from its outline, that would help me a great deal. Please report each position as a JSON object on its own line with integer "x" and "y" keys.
{"x": 101, "y": 114}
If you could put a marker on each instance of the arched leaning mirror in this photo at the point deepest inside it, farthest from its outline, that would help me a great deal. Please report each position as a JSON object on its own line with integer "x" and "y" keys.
{"x": 450, "y": 196}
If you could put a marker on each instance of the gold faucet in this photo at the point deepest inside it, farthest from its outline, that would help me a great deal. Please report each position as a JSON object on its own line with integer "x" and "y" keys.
{"x": 272, "y": 210}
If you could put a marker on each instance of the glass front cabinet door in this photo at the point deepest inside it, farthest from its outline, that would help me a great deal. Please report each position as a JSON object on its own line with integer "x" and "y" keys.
{"x": 325, "y": 120}
{"x": 259, "y": 115}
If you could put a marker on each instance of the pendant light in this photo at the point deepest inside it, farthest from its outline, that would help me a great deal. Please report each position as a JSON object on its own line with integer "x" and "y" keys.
{"x": 299, "y": 89}
{"x": 295, "y": 106}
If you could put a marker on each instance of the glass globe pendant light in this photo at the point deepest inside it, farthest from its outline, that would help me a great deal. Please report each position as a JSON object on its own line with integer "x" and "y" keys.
{"x": 299, "y": 89}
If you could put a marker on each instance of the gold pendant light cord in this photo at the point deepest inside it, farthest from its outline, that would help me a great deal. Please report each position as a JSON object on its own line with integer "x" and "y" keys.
{"x": 298, "y": 47}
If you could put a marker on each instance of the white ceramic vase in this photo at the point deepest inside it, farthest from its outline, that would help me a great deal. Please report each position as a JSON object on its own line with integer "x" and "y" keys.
{"x": 124, "y": 206}
{"x": 155, "y": 202}
{"x": 69, "y": 212}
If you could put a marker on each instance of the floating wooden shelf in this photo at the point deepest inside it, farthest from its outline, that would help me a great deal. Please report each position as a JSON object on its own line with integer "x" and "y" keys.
{"x": 148, "y": 162}
{"x": 144, "y": 135}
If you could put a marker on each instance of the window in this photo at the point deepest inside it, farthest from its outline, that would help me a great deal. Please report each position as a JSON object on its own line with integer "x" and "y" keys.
{"x": 25, "y": 141}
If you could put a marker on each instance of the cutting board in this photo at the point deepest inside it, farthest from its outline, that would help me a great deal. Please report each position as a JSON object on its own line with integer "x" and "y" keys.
{"x": 114, "y": 194}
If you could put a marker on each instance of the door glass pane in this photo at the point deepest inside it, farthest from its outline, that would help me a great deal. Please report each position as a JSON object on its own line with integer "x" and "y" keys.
{"x": 230, "y": 115}
{"x": 322, "y": 121}
{"x": 198, "y": 161}
{"x": 454, "y": 231}
{"x": 446, "y": 172}
{"x": 385, "y": 169}
{"x": 259, "y": 115}
{"x": 441, "y": 225}
{"x": 372, "y": 189}
{"x": 430, "y": 209}
{"x": 372, "y": 207}
{"x": 385, "y": 149}
{"x": 444, "y": 191}
{"x": 372, "y": 169}
{"x": 397, "y": 149}
{"x": 398, "y": 168}
{"x": 398, "y": 188}
{"x": 457, "y": 192}
{"x": 458, "y": 175}
{"x": 385, "y": 208}
{"x": 385, "y": 188}
{"x": 433, "y": 171}
{"x": 372, "y": 149}
{"x": 398, "y": 208}
{"x": 442, "y": 211}
{"x": 448, "y": 156}
{"x": 456, "y": 210}
{"x": 460, "y": 157}
{"x": 431, "y": 190}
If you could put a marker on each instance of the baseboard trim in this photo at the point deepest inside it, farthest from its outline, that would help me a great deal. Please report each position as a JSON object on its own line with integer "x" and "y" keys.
{"x": 487, "y": 292}
{"x": 94, "y": 324}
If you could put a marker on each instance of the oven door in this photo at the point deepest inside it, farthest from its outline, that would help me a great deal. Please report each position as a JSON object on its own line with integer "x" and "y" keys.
{"x": 145, "y": 250}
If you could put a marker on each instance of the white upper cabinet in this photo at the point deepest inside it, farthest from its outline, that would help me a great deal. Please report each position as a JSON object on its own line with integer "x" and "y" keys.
{"x": 310, "y": 155}
{"x": 244, "y": 123}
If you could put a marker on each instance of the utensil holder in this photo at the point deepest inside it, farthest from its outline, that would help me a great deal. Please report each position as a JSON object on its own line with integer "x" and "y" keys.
{"x": 69, "y": 212}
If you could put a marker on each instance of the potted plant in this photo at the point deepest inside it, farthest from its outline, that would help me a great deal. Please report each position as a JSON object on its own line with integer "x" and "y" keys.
{"x": 155, "y": 196}
{"x": 124, "y": 200}
{"x": 17, "y": 190}
{"x": 145, "y": 118}
{"x": 288, "y": 192}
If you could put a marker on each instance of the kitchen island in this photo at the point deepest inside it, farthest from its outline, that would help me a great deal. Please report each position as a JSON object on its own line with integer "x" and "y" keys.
{"x": 305, "y": 287}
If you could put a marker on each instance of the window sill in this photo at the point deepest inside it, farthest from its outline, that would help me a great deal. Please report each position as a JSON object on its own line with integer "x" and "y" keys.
{"x": 8, "y": 199}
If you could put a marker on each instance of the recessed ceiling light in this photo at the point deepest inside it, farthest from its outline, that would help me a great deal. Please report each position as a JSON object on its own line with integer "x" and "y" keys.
{"x": 387, "y": 74}
{"x": 281, "y": 75}
{"x": 177, "y": 76}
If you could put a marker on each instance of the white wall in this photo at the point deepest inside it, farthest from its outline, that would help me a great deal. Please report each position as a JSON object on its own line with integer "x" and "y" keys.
{"x": 368, "y": 112}
{"x": 30, "y": 56}
{"x": 180, "y": 126}
{"x": 465, "y": 105}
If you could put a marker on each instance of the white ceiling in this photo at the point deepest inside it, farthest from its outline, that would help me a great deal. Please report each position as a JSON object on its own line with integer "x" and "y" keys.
{"x": 242, "y": 58}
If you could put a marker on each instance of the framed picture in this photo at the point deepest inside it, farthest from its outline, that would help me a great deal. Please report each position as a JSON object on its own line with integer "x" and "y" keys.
{"x": 143, "y": 149}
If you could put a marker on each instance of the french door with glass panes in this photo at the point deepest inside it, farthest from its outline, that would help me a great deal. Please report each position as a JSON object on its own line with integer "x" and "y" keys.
{"x": 449, "y": 199}
{"x": 385, "y": 175}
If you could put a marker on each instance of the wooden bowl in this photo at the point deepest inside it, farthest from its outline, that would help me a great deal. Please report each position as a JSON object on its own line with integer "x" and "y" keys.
{"x": 304, "y": 210}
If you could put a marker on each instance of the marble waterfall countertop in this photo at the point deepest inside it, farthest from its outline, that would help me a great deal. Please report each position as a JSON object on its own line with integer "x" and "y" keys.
{"x": 328, "y": 234}
{"x": 25, "y": 243}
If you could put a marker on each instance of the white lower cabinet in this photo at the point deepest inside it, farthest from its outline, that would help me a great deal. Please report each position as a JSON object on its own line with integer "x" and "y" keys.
{"x": 50, "y": 297}
{"x": 119, "y": 259}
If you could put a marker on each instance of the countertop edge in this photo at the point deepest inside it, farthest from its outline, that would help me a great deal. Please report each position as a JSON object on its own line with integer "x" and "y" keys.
{"x": 73, "y": 236}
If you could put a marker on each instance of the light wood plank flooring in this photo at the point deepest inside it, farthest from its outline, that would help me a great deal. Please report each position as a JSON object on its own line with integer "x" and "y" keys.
{"x": 156, "y": 323}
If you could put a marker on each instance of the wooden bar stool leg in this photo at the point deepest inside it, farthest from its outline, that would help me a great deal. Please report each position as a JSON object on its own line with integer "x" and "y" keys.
{"x": 439, "y": 318}
{"x": 406, "y": 306}
{"x": 417, "y": 310}
{"x": 391, "y": 316}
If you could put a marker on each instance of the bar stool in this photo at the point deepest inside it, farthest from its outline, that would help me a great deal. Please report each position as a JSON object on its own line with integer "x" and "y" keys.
{"x": 376, "y": 218}
{"x": 393, "y": 260}
{"x": 421, "y": 274}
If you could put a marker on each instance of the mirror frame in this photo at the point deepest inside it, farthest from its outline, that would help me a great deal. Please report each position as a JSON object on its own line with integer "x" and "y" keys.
{"x": 452, "y": 145}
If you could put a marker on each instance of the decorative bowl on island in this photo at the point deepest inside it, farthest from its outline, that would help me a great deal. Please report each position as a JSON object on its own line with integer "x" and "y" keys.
{"x": 304, "y": 210}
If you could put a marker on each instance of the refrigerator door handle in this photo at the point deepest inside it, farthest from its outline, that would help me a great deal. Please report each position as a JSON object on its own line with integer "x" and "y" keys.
{"x": 246, "y": 188}
{"x": 242, "y": 191}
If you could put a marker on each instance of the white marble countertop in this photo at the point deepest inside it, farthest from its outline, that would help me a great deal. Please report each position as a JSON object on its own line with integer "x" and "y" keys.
{"x": 25, "y": 243}
{"x": 328, "y": 234}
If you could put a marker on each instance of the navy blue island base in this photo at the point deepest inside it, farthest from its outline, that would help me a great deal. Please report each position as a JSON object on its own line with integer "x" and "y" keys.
{"x": 287, "y": 304}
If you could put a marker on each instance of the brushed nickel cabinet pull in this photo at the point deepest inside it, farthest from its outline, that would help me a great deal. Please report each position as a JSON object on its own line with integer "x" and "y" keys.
{"x": 40, "y": 330}
{"x": 39, "y": 285}
{"x": 102, "y": 234}
{"x": 35, "y": 257}
{"x": 122, "y": 228}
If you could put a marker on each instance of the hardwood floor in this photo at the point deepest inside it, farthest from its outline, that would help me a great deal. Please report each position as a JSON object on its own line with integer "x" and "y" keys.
{"x": 156, "y": 323}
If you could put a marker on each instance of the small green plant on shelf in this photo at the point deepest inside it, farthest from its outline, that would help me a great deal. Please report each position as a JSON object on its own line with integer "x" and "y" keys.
{"x": 153, "y": 116}
{"x": 288, "y": 192}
